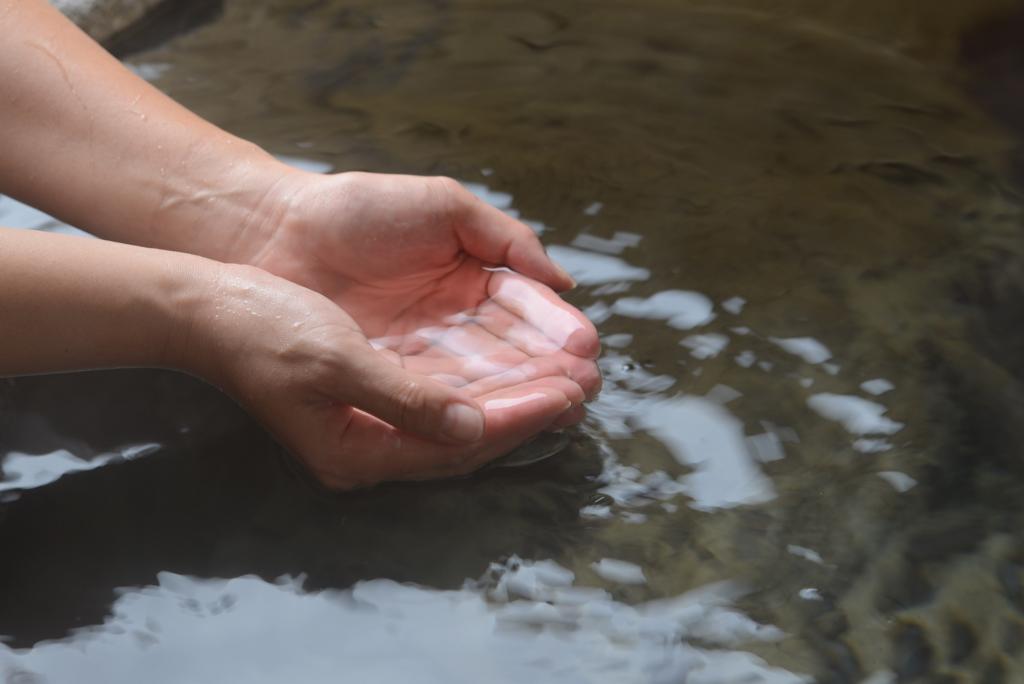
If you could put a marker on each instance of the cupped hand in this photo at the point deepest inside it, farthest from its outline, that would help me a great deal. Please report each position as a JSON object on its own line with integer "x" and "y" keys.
{"x": 448, "y": 287}
{"x": 401, "y": 253}
{"x": 425, "y": 403}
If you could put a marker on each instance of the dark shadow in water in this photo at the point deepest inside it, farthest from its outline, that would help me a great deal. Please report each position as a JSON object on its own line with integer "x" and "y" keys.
{"x": 994, "y": 53}
{"x": 220, "y": 500}
{"x": 165, "y": 21}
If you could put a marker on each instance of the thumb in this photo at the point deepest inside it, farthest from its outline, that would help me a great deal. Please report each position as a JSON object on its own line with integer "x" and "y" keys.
{"x": 410, "y": 402}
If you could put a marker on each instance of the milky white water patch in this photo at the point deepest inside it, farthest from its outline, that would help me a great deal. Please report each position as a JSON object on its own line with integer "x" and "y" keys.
{"x": 901, "y": 482}
{"x": 807, "y": 348}
{"x": 28, "y": 471}
{"x": 859, "y": 416}
{"x": 304, "y": 164}
{"x": 722, "y": 394}
{"x": 746, "y": 358}
{"x": 613, "y": 245}
{"x": 496, "y": 198}
{"x": 617, "y": 341}
{"x": 619, "y": 571}
{"x": 593, "y": 209}
{"x": 704, "y": 436}
{"x": 509, "y": 402}
{"x": 705, "y": 346}
{"x": 734, "y": 305}
{"x": 877, "y": 386}
{"x": 766, "y": 447}
{"x": 14, "y": 214}
{"x": 598, "y": 312}
{"x": 527, "y": 621}
{"x": 681, "y": 309}
{"x": 589, "y": 268}
{"x": 805, "y": 553}
{"x": 871, "y": 445}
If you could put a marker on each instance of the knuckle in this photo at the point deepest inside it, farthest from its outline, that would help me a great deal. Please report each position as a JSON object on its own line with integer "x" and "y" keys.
{"x": 454, "y": 197}
{"x": 411, "y": 404}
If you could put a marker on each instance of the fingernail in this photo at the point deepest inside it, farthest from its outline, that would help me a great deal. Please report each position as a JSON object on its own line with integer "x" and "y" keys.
{"x": 463, "y": 423}
{"x": 566, "y": 274}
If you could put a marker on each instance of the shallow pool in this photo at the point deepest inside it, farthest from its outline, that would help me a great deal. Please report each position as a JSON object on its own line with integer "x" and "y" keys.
{"x": 798, "y": 228}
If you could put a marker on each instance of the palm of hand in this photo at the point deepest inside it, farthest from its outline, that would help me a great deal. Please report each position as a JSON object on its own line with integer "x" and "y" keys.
{"x": 402, "y": 272}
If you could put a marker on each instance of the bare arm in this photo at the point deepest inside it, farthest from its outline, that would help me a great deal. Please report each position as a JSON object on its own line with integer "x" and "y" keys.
{"x": 88, "y": 141}
{"x": 70, "y": 303}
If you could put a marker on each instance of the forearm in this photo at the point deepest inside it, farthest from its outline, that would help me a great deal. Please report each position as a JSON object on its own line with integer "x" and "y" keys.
{"x": 70, "y": 303}
{"x": 88, "y": 141}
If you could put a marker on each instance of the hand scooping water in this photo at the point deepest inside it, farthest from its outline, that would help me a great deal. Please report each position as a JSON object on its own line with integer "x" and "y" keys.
{"x": 520, "y": 334}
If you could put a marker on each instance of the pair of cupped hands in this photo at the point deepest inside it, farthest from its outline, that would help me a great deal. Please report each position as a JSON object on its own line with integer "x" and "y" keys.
{"x": 395, "y": 327}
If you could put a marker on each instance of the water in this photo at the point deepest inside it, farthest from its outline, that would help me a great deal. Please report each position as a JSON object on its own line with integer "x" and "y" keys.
{"x": 797, "y": 228}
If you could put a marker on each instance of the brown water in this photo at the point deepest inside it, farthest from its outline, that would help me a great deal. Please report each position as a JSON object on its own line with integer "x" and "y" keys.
{"x": 767, "y": 205}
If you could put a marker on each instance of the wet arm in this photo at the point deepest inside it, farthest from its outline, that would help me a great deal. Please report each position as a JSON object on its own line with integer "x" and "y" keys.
{"x": 88, "y": 141}
{"x": 71, "y": 303}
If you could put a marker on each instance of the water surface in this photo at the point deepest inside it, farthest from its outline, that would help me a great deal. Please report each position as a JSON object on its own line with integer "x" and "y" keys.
{"x": 798, "y": 229}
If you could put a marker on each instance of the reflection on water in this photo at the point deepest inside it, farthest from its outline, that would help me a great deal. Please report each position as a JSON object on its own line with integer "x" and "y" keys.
{"x": 800, "y": 242}
{"x": 525, "y": 621}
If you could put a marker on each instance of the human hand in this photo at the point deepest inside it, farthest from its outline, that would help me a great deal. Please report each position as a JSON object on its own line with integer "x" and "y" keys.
{"x": 300, "y": 364}
{"x": 374, "y": 242}
{"x": 404, "y": 253}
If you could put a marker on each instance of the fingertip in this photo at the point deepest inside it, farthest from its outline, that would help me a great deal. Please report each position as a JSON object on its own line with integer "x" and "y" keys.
{"x": 571, "y": 416}
{"x": 584, "y": 342}
{"x": 563, "y": 282}
{"x": 463, "y": 422}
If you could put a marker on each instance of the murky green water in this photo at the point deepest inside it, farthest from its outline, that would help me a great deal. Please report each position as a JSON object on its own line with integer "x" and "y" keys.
{"x": 798, "y": 230}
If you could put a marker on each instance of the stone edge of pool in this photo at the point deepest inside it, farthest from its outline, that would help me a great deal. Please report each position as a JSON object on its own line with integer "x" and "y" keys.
{"x": 129, "y": 26}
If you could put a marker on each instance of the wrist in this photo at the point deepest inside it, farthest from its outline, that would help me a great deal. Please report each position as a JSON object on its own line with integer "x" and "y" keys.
{"x": 224, "y": 203}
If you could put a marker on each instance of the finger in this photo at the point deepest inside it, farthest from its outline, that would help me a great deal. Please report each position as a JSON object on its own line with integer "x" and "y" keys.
{"x": 449, "y": 379}
{"x": 412, "y": 403}
{"x": 370, "y": 451}
{"x": 511, "y": 328}
{"x": 500, "y": 364}
{"x": 506, "y": 325}
{"x": 571, "y": 416}
{"x": 470, "y": 352}
{"x": 517, "y": 415}
{"x": 495, "y": 237}
{"x": 581, "y": 371}
{"x": 543, "y": 309}
{"x": 528, "y": 371}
